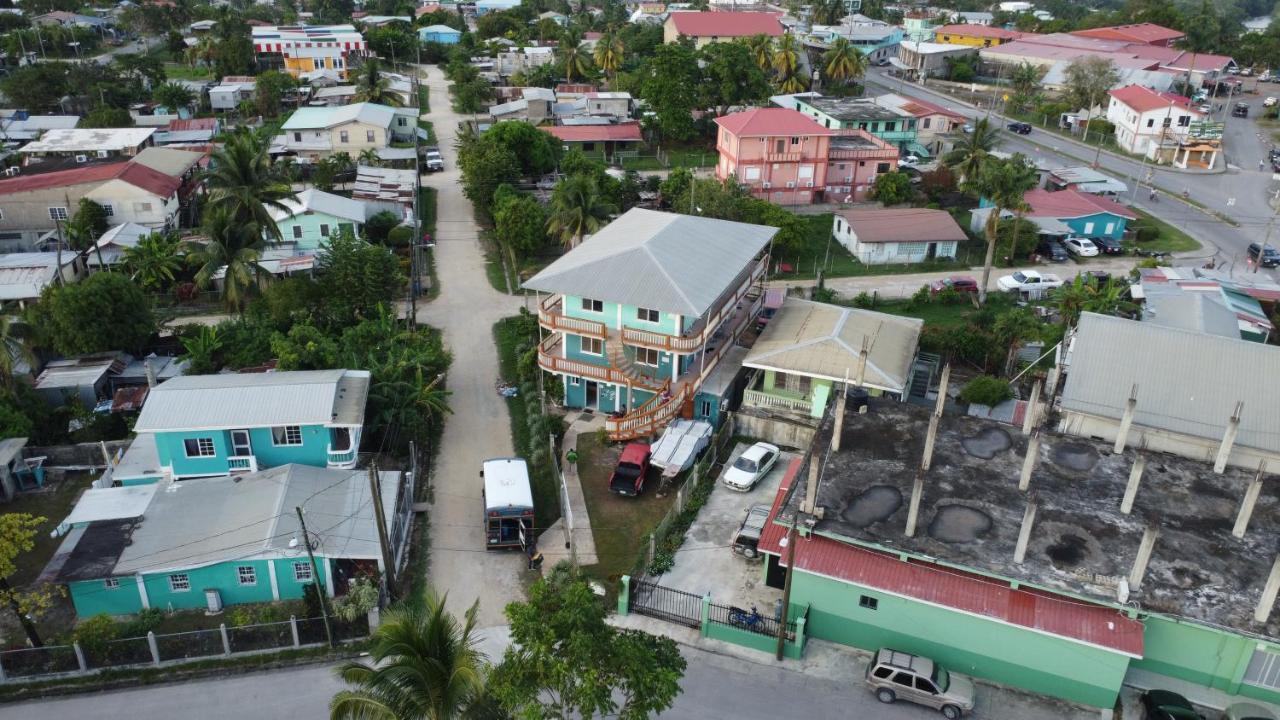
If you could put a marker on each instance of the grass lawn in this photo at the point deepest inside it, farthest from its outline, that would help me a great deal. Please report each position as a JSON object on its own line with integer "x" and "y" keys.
{"x": 937, "y": 313}
{"x": 53, "y": 504}
{"x": 820, "y": 247}
{"x": 687, "y": 157}
{"x": 619, "y": 524}
{"x": 424, "y": 103}
{"x": 511, "y": 339}
{"x": 1171, "y": 238}
{"x": 427, "y": 208}
{"x": 180, "y": 71}
{"x": 430, "y": 128}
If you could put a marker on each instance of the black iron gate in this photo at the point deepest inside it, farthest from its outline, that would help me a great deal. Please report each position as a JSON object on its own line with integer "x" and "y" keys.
{"x": 665, "y": 603}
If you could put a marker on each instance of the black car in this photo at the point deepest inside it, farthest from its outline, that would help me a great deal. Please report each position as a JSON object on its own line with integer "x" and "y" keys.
{"x": 1052, "y": 251}
{"x": 1108, "y": 246}
{"x": 1020, "y": 127}
{"x": 1166, "y": 705}
{"x": 1270, "y": 256}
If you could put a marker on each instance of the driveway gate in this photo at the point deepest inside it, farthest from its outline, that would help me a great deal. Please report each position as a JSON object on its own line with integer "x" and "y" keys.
{"x": 665, "y": 603}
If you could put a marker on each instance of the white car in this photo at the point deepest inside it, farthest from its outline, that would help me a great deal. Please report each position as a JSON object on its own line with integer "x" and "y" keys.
{"x": 1081, "y": 246}
{"x": 751, "y": 465}
{"x": 910, "y": 160}
{"x": 1269, "y": 102}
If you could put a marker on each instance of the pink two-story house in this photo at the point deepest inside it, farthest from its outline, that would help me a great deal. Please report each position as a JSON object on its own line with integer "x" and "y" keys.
{"x": 786, "y": 157}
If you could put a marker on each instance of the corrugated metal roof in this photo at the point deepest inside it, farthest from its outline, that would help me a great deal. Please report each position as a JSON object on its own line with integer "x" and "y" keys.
{"x": 953, "y": 589}
{"x": 1188, "y": 382}
{"x": 824, "y": 341}
{"x": 231, "y": 400}
{"x": 674, "y": 263}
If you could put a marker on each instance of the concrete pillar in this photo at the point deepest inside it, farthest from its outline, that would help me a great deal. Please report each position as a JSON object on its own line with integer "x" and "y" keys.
{"x": 1033, "y": 407}
{"x": 1249, "y": 501}
{"x": 1029, "y": 462}
{"x": 1145, "y": 548}
{"x": 1126, "y": 420}
{"x": 226, "y": 641}
{"x": 841, "y": 399}
{"x": 1228, "y": 439}
{"x": 913, "y": 510}
{"x": 1268, "y": 600}
{"x": 155, "y": 649}
{"x": 934, "y": 419}
{"x": 862, "y": 361}
{"x": 811, "y": 486}
{"x": 1135, "y": 479}
{"x": 293, "y": 627}
{"x": 705, "y": 630}
{"x": 1024, "y": 532}
{"x": 84, "y": 666}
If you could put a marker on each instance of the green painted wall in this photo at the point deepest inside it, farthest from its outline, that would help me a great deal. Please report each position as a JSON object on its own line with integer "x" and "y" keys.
{"x": 290, "y": 587}
{"x": 667, "y": 322}
{"x": 964, "y": 643}
{"x": 126, "y": 482}
{"x": 93, "y": 597}
{"x": 1202, "y": 655}
{"x": 312, "y": 451}
{"x": 309, "y": 233}
{"x": 169, "y": 447}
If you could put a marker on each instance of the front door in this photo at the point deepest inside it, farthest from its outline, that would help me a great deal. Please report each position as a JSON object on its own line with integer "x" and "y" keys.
{"x": 593, "y": 395}
{"x": 240, "y": 445}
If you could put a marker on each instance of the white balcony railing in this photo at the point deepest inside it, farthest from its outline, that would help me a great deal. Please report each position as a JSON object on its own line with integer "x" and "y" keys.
{"x": 242, "y": 464}
{"x": 342, "y": 458}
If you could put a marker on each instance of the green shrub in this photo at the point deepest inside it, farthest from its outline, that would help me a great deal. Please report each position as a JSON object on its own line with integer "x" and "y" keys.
{"x": 986, "y": 390}
{"x": 1147, "y": 233}
{"x": 94, "y": 633}
{"x": 145, "y": 621}
{"x": 864, "y": 300}
{"x": 400, "y": 236}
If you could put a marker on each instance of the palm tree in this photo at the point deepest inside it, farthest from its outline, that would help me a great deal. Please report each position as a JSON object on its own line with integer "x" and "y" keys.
{"x": 202, "y": 52}
{"x": 574, "y": 59}
{"x": 843, "y": 61}
{"x": 791, "y": 82}
{"x": 761, "y": 48}
{"x": 1002, "y": 183}
{"x": 786, "y": 56}
{"x": 233, "y": 247}
{"x": 1025, "y": 78}
{"x": 173, "y": 96}
{"x": 241, "y": 181}
{"x": 14, "y": 346}
{"x": 369, "y": 156}
{"x": 424, "y": 665}
{"x": 154, "y": 262}
{"x": 971, "y": 151}
{"x": 372, "y": 86}
{"x": 577, "y": 209}
{"x": 609, "y": 53}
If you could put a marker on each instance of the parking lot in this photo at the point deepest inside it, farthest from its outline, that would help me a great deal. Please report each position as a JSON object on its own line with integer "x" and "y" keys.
{"x": 706, "y": 564}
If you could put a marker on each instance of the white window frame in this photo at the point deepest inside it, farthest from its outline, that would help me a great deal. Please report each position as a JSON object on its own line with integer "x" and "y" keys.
{"x": 648, "y": 315}
{"x": 303, "y": 572}
{"x": 593, "y": 306}
{"x": 297, "y": 232}
{"x": 57, "y": 213}
{"x": 370, "y": 136}
{"x": 179, "y": 582}
{"x": 110, "y": 583}
{"x": 574, "y": 381}
{"x": 582, "y": 346}
{"x": 289, "y": 436}
{"x": 204, "y": 447}
{"x": 644, "y": 355}
{"x": 1088, "y": 228}
{"x": 247, "y": 575}
{"x": 108, "y": 209}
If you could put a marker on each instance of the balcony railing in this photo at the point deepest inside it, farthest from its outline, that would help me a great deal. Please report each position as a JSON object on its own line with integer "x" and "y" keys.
{"x": 697, "y": 335}
{"x": 769, "y": 401}
{"x": 551, "y": 316}
{"x": 549, "y": 359}
{"x": 648, "y": 418}
{"x": 242, "y": 463}
{"x": 341, "y": 458}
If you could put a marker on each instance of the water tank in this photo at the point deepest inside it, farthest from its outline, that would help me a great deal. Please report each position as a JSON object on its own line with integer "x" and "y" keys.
{"x": 858, "y": 400}
{"x": 213, "y": 599}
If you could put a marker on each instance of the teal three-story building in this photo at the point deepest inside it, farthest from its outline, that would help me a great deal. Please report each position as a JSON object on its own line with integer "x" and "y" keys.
{"x": 641, "y": 313}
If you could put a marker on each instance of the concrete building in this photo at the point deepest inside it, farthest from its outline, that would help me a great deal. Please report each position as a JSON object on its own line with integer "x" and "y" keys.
{"x": 1142, "y": 33}
{"x": 83, "y": 145}
{"x": 884, "y": 236}
{"x": 1162, "y": 126}
{"x": 919, "y": 60}
{"x": 603, "y": 141}
{"x": 232, "y": 91}
{"x": 318, "y": 132}
{"x": 297, "y": 49}
{"x": 705, "y": 28}
{"x": 888, "y": 121}
{"x": 975, "y": 35}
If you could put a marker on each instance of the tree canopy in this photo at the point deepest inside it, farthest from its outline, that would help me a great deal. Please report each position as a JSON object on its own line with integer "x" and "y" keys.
{"x": 106, "y": 311}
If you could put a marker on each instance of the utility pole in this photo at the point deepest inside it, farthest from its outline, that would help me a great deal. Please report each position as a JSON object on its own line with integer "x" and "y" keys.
{"x": 384, "y": 540}
{"x": 415, "y": 246}
{"x": 786, "y": 585}
{"x": 315, "y": 574}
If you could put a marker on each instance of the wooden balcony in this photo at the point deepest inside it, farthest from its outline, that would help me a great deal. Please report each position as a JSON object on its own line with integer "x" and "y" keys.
{"x": 551, "y": 316}
{"x": 769, "y": 401}
{"x": 549, "y": 359}
{"x": 696, "y": 337}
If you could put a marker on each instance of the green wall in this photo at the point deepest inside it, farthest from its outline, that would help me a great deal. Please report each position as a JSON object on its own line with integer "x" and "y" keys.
{"x": 314, "y": 449}
{"x": 171, "y": 451}
{"x": 92, "y": 597}
{"x": 609, "y": 315}
{"x": 1202, "y": 655}
{"x": 967, "y": 644}
{"x": 311, "y": 237}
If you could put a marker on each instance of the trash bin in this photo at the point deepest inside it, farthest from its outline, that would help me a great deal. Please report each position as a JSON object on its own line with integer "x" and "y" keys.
{"x": 858, "y": 400}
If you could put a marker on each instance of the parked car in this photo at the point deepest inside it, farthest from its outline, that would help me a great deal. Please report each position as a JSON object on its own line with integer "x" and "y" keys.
{"x": 751, "y": 465}
{"x": 1028, "y": 281}
{"x": 1098, "y": 276}
{"x": 433, "y": 160}
{"x": 1241, "y": 109}
{"x": 747, "y": 540}
{"x": 882, "y": 62}
{"x": 628, "y": 475}
{"x": 895, "y": 675}
{"x": 1108, "y": 246}
{"x": 1269, "y": 102}
{"x": 959, "y": 283}
{"x": 1080, "y": 246}
{"x": 968, "y": 128}
{"x": 1205, "y": 108}
{"x": 1020, "y": 127}
{"x": 1166, "y": 705}
{"x": 1270, "y": 256}
{"x": 1248, "y": 711}
{"x": 1052, "y": 250}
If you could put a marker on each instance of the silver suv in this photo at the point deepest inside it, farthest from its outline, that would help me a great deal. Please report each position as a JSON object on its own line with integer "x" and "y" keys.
{"x": 898, "y": 676}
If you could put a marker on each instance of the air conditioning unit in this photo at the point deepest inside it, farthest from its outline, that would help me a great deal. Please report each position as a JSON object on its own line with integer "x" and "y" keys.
{"x": 766, "y": 184}
{"x": 12, "y": 171}
{"x": 849, "y": 179}
{"x": 213, "y": 601}
{"x": 103, "y": 153}
{"x": 791, "y": 185}
{"x": 809, "y": 184}
{"x": 82, "y": 158}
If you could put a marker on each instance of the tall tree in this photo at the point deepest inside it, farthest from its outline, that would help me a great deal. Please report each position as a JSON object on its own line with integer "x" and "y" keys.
{"x": 843, "y": 61}
{"x": 15, "y": 346}
{"x": 730, "y": 77}
{"x": 17, "y": 537}
{"x": 372, "y": 86}
{"x": 786, "y": 56}
{"x": 577, "y": 210}
{"x": 566, "y": 661}
{"x": 609, "y": 53}
{"x": 1088, "y": 79}
{"x": 241, "y": 181}
{"x": 230, "y": 246}
{"x": 1002, "y": 184}
{"x": 972, "y": 150}
{"x": 106, "y": 311}
{"x": 173, "y": 96}
{"x": 761, "y": 49}
{"x": 669, "y": 83}
{"x": 574, "y": 60}
{"x": 356, "y": 278}
{"x": 154, "y": 263}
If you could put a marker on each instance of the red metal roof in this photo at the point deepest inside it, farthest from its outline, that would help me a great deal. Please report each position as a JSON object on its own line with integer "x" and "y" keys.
{"x": 193, "y": 124}
{"x": 771, "y": 121}
{"x": 1148, "y": 33}
{"x": 136, "y": 174}
{"x": 726, "y": 24}
{"x": 953, "y": 589}
{"x": 1073, "y": 203}
{"x": 920, "y": 108}
{"x": 1144, "y": 99}
{"x": 982, "y": 31}
{"x": 627, "y": 132}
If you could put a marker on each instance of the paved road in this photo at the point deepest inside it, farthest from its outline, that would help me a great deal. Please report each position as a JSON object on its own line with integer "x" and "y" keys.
{"x": 478, "y": 428}
{"x": 1240, "y": 192}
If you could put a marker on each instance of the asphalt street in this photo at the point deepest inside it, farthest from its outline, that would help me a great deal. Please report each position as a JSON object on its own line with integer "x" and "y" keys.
{"x": 1241, "y": 192}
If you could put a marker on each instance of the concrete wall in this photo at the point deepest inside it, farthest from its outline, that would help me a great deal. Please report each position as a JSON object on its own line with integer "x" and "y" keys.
{"x": 1195, "y": 448}
{"x": 79, "y": 454}
{"x": 780, "y": 431}
{"x": 1202, "y": 655}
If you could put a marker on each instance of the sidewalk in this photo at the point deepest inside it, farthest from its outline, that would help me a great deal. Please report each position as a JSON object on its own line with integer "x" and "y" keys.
{"x": 552, "y": 542}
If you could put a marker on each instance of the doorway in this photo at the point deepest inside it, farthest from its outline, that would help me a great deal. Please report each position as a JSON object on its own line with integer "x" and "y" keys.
{"x": 240, "y": 445}
{"x": 932, "y": 252}
{"x": 593, "y": 394}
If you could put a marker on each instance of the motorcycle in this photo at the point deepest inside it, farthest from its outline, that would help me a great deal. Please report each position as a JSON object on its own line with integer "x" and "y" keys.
{"x": 744, "y": 619}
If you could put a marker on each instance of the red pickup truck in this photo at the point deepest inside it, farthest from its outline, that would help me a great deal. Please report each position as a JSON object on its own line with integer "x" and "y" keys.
{"x": 628, "y": 476}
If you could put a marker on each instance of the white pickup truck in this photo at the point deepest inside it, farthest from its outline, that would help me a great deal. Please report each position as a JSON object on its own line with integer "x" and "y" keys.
{"x": 1029, "y": 282}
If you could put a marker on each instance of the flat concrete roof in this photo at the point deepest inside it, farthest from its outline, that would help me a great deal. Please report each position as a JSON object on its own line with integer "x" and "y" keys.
{"x": 971, "y": 512}
{"x": 854, "y": 109}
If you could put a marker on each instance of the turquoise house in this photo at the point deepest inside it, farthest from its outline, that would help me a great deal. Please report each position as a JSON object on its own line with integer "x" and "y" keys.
{"x": 1069, "y": 212}
{"x": 645, "y": 311}
{"x": 439, "y": 34}
{"x": 208, "y": 425}
{"x": 315, "y": 216}
{"x": 226, "y": 541}
{"x": 889, "y": 123}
